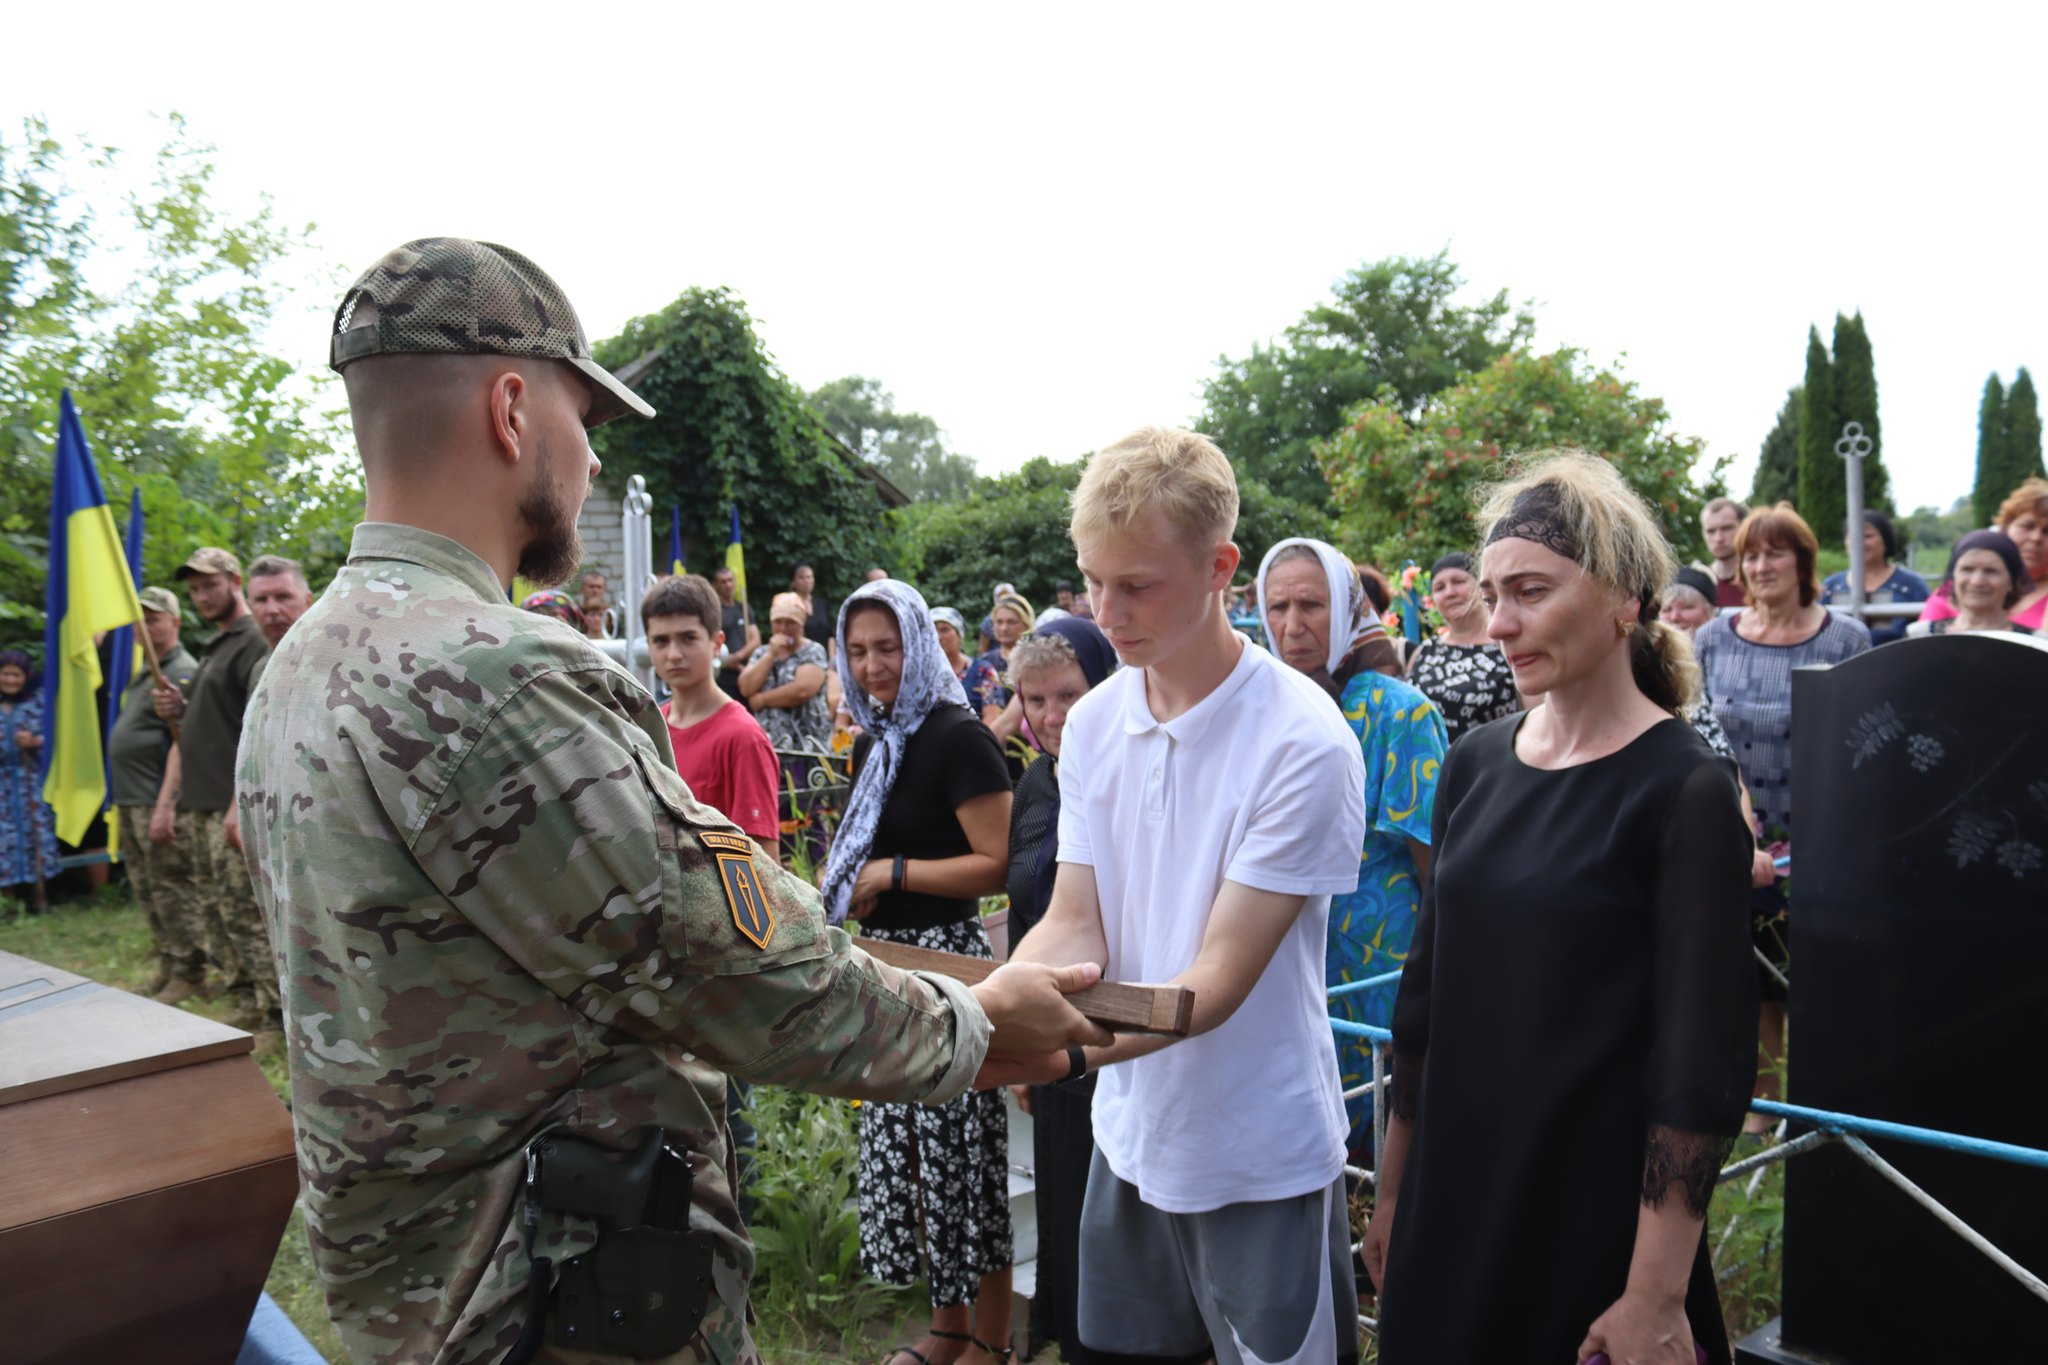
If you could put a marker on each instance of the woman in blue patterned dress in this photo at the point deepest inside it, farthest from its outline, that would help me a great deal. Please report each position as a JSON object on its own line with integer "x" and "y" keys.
{"x": 1746, "y": 662}
{"x": 1316, "y": 613}
{"x": 28, "y": 838}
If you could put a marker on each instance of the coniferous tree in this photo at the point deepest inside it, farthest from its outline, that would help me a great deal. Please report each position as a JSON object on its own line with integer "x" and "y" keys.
{"x": 1991, "y": 483}
{"x": 1777, "y": 467}
{"x": 2022, "y": 430}
{"x": 1820, "y": 472}
{"x": 1855, "y": 371}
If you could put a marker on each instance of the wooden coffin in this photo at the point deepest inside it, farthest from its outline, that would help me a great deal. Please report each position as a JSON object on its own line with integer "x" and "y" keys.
{"x": 146, "y": 1175}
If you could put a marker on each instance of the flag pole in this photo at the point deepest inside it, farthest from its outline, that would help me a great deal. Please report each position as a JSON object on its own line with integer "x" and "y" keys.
{"x": 156, "y": 670}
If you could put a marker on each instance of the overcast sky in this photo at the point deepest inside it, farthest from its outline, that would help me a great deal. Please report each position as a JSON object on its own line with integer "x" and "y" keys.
{"x": 1043, "y": 225}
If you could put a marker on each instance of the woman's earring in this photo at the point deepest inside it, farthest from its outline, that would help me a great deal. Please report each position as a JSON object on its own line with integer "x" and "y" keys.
{"x": 1621, "y": 630}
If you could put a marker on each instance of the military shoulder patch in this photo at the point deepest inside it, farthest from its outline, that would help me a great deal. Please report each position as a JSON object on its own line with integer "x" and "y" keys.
{"x": 752, "y": 915}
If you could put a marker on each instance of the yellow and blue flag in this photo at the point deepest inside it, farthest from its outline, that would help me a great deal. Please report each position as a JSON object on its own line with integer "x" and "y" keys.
{"x": 736, "y": 559}
{"x": 90, "y": 590}
{"x": 675, "y": 541}
{"x": 124, "y": 654}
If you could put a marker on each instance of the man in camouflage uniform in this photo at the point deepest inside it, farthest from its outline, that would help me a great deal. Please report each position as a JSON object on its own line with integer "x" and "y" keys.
{"x": 499, "y": 910}
{"x": 198, "y": 788}
{"x": 160, "y": 874}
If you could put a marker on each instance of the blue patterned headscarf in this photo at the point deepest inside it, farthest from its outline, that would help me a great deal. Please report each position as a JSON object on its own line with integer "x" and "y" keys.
{"x": 928, "y": 683}
{"x": 15, "y": 658}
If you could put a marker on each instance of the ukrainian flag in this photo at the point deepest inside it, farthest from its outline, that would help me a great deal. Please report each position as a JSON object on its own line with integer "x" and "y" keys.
{"x": 90, "y": 590}
{"x": 736, "y": 559}
{"x": 675, "y": 542}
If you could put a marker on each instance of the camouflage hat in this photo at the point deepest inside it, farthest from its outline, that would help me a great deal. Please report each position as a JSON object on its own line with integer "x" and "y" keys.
{"x": 453, "y": 296}
{"x": 209, "y": 559}
{"x": 159, "y": 599}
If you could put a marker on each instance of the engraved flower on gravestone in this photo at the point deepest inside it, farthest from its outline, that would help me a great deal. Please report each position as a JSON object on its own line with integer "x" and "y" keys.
{"x": 1971, "y": 837}
{"x": 1925, "y": 751}
{"x": 1873, "y": 730}
{"x": 2019, "y": 857}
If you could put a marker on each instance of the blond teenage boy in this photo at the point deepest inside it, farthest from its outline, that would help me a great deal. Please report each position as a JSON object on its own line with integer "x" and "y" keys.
{"x": 1212, "y": 802}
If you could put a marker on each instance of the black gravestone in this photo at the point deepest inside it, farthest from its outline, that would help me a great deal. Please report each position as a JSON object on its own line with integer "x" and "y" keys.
{"x": 1920, "y": 995}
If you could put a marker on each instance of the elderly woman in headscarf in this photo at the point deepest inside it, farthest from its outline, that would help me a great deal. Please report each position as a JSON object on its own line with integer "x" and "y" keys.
{"x": 1050, "y": 669}
{"x": 1313, "y": 607}
{"x": 28, "y": 837}
{"x": 987, "y": 693}
{"x": 1986, "y": 578}
{"x": 924, "y": 836}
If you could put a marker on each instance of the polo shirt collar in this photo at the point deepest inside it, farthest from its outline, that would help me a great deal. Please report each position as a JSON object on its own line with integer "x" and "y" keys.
{"x": 1189, "y": 727}
{"x": 388, "y": 540}
{"x": 248, "y": 622}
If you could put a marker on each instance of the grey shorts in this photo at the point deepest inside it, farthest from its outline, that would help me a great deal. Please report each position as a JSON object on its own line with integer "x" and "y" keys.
{"x": 1257, "y": 1284}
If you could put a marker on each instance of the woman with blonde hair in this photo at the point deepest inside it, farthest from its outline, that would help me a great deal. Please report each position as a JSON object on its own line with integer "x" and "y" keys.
{"x": 1575, "y": 1033}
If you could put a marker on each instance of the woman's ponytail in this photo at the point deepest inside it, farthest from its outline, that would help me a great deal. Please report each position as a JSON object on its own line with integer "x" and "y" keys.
{"x": 1661, "y": 658}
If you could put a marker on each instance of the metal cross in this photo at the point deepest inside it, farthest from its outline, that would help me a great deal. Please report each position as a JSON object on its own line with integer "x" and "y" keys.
{"x": 1854, "y": 447}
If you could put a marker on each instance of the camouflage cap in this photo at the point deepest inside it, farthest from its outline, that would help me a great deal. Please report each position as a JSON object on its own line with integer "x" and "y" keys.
{"x": 454, "y": 296}
{"x": 159, "y": 599}
{"x": 209, "y": 559}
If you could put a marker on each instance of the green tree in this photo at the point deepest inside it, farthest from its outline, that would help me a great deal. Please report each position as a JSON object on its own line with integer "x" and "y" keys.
{"x": 729, "y": 427}
{"x": 163, "y": 349}
{"x": 1822, "y": 499}
{"x": 1855, "y": 372}
{"x": 1777, "y": 466}
{"x": 1992, "y": 482}
{"x": 907, "y": 447}
{"x": 1389, "y": 332}
{"x": 2022, "y": 430}
{"x": 1406, "y": 490}
{"x": 1013, "y": 529}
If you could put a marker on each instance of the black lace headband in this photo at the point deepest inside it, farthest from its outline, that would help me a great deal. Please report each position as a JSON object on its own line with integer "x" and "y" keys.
{"x": 1537, "y": 517}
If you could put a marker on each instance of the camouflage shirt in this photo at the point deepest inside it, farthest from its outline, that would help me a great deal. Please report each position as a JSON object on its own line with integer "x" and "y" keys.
{"x": 496, "y": 912}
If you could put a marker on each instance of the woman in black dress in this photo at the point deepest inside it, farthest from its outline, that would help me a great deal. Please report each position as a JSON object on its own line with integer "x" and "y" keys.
{"x": 925, "y": 836}
{"x": 1576, "y": 1030}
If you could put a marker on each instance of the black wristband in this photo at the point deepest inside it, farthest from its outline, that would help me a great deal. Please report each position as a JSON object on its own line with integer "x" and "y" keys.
{"x": 1077, "y": 1066}
{"x": 896, "y": 874}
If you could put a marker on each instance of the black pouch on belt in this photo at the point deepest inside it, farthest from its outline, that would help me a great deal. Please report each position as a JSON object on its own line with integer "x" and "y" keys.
{"x": 642, "y": 1291}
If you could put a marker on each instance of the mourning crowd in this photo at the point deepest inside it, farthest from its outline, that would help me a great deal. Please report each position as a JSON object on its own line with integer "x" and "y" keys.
{"x": 1258, "y": 787}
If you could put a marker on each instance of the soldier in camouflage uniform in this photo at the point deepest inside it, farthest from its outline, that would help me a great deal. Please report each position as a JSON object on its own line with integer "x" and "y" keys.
{"x": 160, "y": 875}
{"x": 499, "y": 911}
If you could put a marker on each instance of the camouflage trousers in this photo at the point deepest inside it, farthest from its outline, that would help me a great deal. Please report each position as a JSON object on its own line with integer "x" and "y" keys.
{"x": 161, "y": 878}
{"x": 236, "y": 937}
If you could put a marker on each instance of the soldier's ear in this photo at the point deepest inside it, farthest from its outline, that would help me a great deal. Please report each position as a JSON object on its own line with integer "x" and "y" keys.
{"x": 508, "y": 398}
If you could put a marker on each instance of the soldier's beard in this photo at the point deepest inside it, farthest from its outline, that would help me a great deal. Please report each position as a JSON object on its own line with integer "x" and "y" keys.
{"x": 553, "y": 550}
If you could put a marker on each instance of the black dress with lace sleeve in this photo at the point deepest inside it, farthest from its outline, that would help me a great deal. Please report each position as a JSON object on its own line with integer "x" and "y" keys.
{"x": 1575, "y": 1036}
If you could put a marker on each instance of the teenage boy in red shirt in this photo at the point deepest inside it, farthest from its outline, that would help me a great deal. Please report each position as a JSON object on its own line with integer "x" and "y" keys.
{"x": 721, "y": 750}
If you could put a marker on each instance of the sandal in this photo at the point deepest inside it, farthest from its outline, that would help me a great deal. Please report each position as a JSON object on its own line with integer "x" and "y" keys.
{"x": 919, "y": 1356}
{"x": 1001, "y": 1354}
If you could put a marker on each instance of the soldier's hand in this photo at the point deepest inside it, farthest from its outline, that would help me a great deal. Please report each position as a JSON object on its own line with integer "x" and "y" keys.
{"x": 1027, "y": 1006}
{"x": 1021, "y": 1094}
{"x": 163, "y": 824}
{"x": 170, "y": 702}
{"x": 1021, "y": 1071}
{"x": 231, "y": 828}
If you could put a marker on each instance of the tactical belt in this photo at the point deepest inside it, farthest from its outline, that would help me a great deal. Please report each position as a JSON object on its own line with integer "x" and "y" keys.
{"x": 642, "y": 1291}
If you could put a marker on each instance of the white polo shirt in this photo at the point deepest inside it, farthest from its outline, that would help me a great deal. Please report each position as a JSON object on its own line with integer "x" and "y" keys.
{"x": 1262, "y": 783}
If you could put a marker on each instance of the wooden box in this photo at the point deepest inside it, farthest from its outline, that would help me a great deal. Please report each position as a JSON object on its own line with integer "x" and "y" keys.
{"x": 146, "y": 1175}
